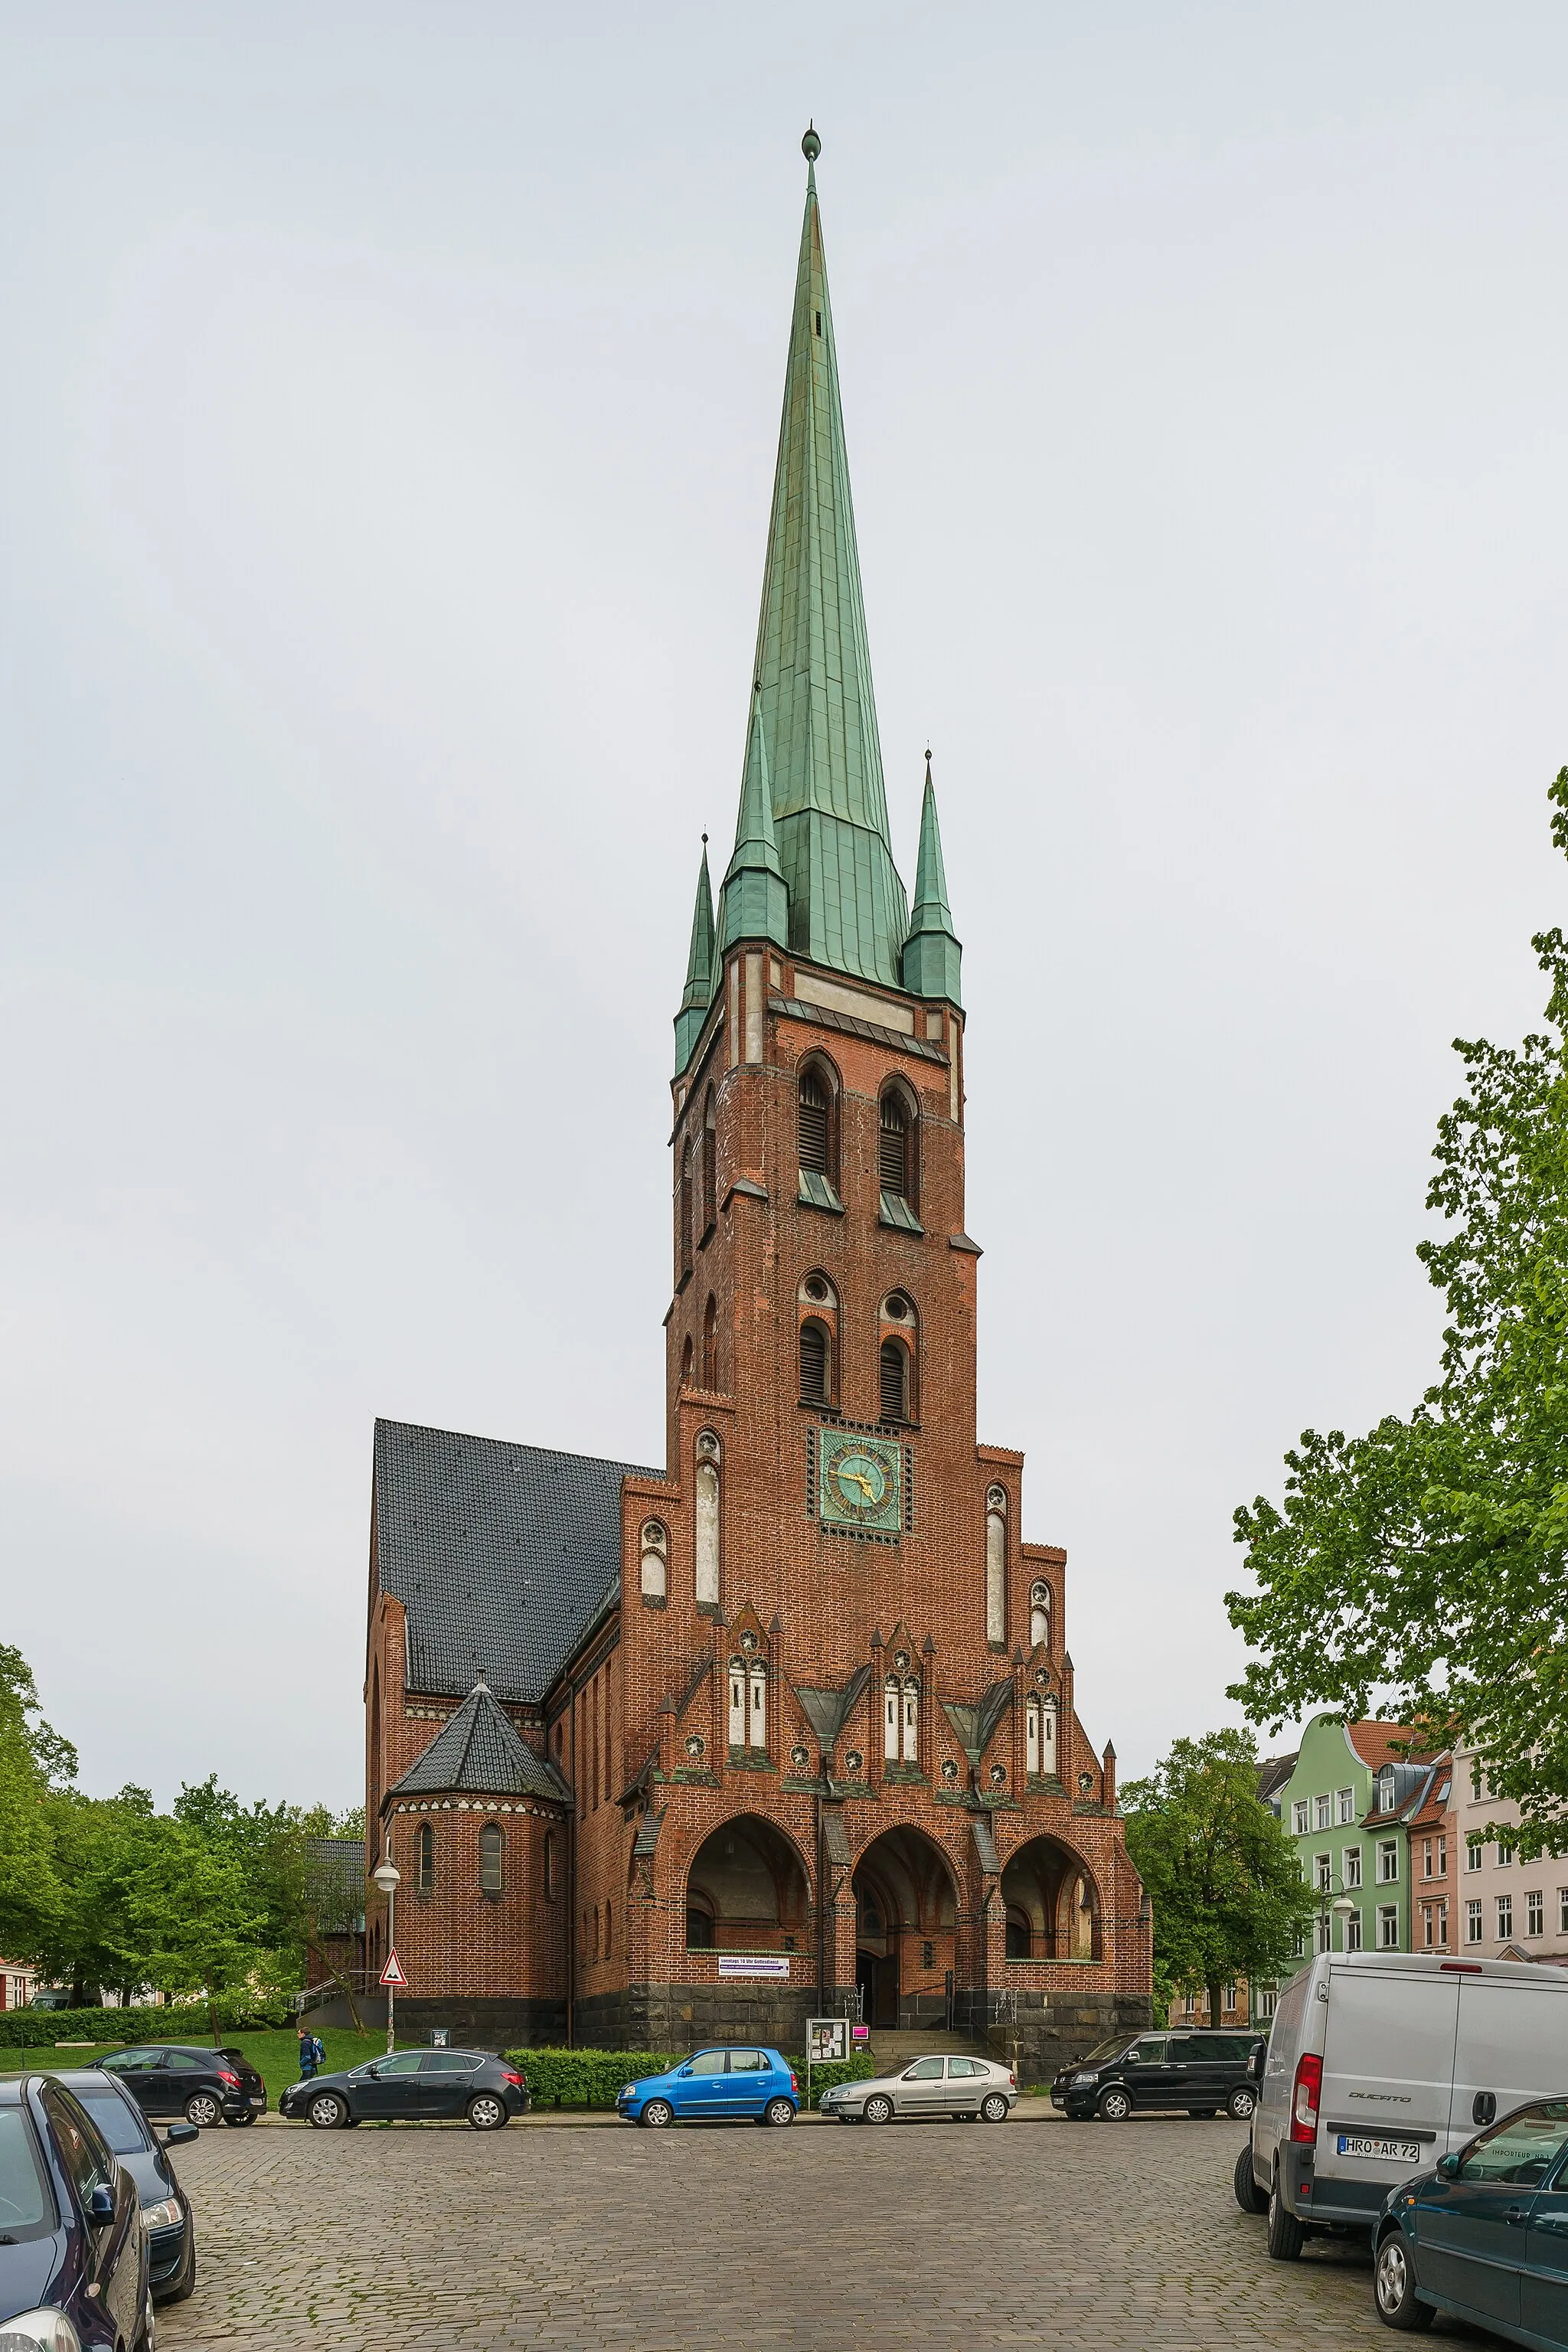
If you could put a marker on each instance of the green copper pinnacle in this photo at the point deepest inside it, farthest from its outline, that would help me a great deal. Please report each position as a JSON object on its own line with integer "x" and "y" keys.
{"x": 753, "y": 903}
{"x": 931, "y": 953}
{"x": 701, "y": 971}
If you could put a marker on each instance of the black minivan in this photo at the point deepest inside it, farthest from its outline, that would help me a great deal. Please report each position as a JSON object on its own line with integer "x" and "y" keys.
{"x": 1184, "y": 2070}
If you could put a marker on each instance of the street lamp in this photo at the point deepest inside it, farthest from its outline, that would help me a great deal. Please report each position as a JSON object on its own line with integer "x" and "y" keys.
{"x": 389, "y": 1878}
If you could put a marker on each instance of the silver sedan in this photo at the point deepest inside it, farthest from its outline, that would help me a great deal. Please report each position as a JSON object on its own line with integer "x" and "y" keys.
{"x": 971, "y": 2090}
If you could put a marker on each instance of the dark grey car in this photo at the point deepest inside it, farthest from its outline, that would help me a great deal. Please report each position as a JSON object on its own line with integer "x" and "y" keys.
{"x": 165, "y": 2209}
{"x": 412, "y": 2086}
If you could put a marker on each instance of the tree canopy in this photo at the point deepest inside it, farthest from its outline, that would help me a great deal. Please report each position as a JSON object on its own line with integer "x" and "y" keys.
{"x": 1222, "y": 1874}
{"x": 1427, "y": 1562}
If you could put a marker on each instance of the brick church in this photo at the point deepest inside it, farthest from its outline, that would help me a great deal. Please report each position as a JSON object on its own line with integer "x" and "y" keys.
{"x": 667, "y": 1755}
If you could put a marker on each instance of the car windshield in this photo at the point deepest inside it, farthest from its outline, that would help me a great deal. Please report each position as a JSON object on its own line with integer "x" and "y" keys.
{"x": 120, "y": 2125}
{"x": 26, "y": 2208}
{"x": 1104, "y": 2051}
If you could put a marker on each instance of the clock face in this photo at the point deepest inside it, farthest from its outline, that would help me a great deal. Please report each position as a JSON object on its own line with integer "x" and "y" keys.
{"x": 860, "y": 1481}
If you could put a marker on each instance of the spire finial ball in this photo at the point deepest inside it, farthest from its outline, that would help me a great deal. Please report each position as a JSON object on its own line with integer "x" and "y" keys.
{"x": 810, "y": 146}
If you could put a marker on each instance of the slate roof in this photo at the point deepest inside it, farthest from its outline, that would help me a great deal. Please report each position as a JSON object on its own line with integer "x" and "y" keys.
{"x": 501, "y": 1555}
{"x": 334, "y": 1880}
{"x": 480, "y": 1749}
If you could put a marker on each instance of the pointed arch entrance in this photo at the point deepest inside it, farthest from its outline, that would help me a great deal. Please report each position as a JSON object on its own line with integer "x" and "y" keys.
{"x": 746, "y": 1890}
{"x": 1053, "y": 1904}
{"x": 906, "y": 1916}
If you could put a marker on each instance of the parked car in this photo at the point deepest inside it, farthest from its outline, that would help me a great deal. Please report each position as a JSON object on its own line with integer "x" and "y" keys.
{"x": 1379, "y": 2062}
{"x": 73, "y": 2253}
{"x": 166, "y": 2214}
{"x": 178, "y": 2078}
{"x": 1483, "y": 2234}
{"x": 967, "y": 2090}
{"x": 714, "y": 2085}
{"x": 412, "y": 2086}
{"x": 1185, "y": 2070}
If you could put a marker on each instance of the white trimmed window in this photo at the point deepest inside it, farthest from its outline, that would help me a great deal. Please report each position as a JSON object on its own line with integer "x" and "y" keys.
{"x": 1388, "y": 1928}
{"x": 1346, "y": 1803}
{"x": 737, "y": 1702}
{"x": 1323, "y": 1872}
{"x": 1299, "y": 1823}
{"x": 1535, "y": 1914}
{"x": 1325, "y": 1812}
{"x": 1504, "y": 1917}
{"x": 1472, "y": 1922}
{"x": 757, "y": 1679}
{"x": 1387, "y": 1860}
{"x": 1472, "y": 1854}
{"x": 1352, "y": 1865}
{"x": 1352, "y": 1932}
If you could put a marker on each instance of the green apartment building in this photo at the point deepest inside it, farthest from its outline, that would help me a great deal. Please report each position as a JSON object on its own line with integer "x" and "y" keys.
{"x": 1350, "y": 1805}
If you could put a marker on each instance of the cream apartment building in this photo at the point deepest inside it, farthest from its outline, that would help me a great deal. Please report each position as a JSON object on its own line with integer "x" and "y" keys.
{"x": 1507, "y": 1907}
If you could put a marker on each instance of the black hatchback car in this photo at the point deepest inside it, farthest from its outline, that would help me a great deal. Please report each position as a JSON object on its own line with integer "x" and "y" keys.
{"x": 1185, "y": 2070}
{"x": 414, "y": 2086}
{"x": 178, "y": 2078}
{"x": 166, "y": 2214}
{"x": 73, "y": 2253}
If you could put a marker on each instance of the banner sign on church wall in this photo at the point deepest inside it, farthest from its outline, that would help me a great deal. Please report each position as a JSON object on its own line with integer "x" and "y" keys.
{"x": 753, "y": 1964}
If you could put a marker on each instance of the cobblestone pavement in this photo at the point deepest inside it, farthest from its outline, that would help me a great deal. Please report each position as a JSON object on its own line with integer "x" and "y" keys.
{"x": 1050, "y": 2233}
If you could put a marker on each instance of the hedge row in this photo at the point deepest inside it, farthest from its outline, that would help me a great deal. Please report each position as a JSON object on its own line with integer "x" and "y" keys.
{"x": 39, "y": 2029}
{"x": 592, "y": 2078}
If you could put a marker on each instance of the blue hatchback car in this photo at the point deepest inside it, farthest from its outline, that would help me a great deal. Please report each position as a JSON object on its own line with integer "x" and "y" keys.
{"x": 713, "y": 2085}
{"x": 1484, "y": 2234}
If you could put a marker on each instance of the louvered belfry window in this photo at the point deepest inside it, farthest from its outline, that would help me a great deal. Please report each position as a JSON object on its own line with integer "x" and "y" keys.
{"x": 710, "y": 1170}
{"x": 815, "y": 1132}
{"x": 813, "y": 1363}
{"x": 894, "y": 1147}
{"x": 686, "y": 1210}
{"x": 895, "y": 1365}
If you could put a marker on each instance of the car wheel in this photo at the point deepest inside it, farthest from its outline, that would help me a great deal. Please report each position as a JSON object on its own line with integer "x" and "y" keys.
{"x": 1115, "y": 2107}
{"x": 878, "y": 2110}
{"x": 994, "y": 2108}
{"x": 485, "y": 2111}
{"x": 1241, "y": 2104}
{"x": 657, "y": 2115}
{"x": 1248, "y": 2195}
{"x": 1285, "y": 2235}
{"x": 1393, "y": 2286}
{"x": 202, "y": 2108}
{"x": 779, "y": 2111}
{"x": 328, "y": 2112}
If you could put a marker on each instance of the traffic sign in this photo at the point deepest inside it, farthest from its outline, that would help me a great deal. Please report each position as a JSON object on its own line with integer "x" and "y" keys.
{"x": 392, "y": 1974}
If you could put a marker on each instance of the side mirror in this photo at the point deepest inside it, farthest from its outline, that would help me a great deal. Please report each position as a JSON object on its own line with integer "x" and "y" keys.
{"x": 1449, "y": 2166}
{"x": 100, "y": 2205}
{"x": 178, "y": 2134}
{"x": 373, "y": 2072}
{"x": 685, "y": 2071}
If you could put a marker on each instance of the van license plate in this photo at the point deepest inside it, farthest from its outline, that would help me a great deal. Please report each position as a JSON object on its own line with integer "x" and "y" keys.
{"x": 1406, "y": 2151}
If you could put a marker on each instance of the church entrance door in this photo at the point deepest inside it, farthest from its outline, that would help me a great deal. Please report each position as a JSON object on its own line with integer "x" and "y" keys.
{"x": 905, "y": 1916}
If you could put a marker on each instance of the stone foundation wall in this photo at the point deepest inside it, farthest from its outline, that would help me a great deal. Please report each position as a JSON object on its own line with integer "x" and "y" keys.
{"x": 680, "y": 2016}
{"x": 472, "y": 2024}
{"x": 1049, "y": 2030}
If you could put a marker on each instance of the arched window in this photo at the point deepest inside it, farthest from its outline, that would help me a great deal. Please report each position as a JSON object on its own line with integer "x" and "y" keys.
{"x": 900, "y": 1721}
{"x": 425, "y": 1859}
{"x": 550, "y": 1866}
{"x": 686, "y": 1208}
{"x": 815, "y": 1356}
{"x": 897, "y": 1155}
{"x": 708, "y": 1458}
{"x": 1017, "y": 1934}
{"x": 711, "y": 1345}
{"x": 699, "y": 1936}
{"x": 709, "y": 1168}
{"x": 1040, "y": 1738}
{"x": 894, "y": 1367}
{"x": 1039, "y": 1613}
{"x": 655, "y": 1561}
{"x": 492, "y": 1849}
{"x": 892, "y": 1694}
{"x": 816, "y": 1122}
{"x": 757, "y": 1729}
{"x": 737, "y": 1702}
{"x": 911, "y": 1723}
{"x": 687, "y": 1356}
{"x": 997, "y": 1565}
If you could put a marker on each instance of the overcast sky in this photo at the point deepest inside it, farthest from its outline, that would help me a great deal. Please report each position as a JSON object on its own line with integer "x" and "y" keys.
{"x": 388, "y": 405}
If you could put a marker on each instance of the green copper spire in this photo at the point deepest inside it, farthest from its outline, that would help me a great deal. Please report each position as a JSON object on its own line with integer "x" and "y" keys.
{"x": 846, "y": 904}
{"x": 701, "y": 970}
{"x": 931, "y": 953}
{"x": 753, "y": 903}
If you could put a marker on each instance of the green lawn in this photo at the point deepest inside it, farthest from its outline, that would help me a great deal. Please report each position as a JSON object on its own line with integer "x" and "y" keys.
{"x": 275, "y": 2056}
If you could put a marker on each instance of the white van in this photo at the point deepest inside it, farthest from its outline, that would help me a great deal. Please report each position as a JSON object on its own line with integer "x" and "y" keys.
{"x": 1377, "y": 2064}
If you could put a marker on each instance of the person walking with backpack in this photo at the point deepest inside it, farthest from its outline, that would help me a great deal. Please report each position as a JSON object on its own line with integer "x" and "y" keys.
{"x": 312, "y": 2054}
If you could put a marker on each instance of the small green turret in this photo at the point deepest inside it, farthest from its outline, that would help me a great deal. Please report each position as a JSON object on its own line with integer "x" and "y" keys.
{"x": 931, "y": 952}
{"x": 754, "y": 903}
{"x": 701, "y": 971}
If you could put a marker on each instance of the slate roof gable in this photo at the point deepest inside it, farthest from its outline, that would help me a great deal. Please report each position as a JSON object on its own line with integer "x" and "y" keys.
{"x": 481, "y": 1750}
{"x": 501, "y": 1555}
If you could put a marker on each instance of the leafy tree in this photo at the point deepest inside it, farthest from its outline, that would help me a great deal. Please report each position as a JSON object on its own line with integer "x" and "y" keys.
{"x": 31, "y": 1757}
{"x": 1222, "y": 1874}
{"x": 199, "y": 1922}
{"x": 1427, "y": 1561}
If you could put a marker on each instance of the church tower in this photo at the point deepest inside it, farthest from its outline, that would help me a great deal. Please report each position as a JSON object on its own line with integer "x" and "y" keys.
{"x": 794, "y": 1718}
